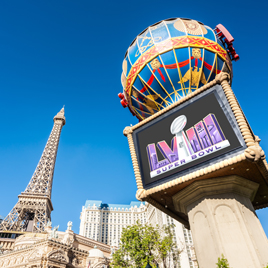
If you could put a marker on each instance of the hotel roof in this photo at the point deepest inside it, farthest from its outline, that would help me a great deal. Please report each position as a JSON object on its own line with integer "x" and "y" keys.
{"x": 100, "y": 204}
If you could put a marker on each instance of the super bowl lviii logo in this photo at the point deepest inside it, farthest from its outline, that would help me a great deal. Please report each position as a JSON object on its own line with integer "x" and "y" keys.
{"x": 204, "y": 138}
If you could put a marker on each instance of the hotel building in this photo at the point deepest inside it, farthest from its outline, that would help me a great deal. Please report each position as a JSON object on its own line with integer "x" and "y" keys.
{"x": 104, "y": 223}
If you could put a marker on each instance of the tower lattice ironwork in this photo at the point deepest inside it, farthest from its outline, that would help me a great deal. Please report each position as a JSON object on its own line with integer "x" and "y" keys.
{"x": 34, "y": 207}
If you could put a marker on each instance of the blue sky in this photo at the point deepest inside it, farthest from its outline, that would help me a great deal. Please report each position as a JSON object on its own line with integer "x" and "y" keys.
{"x": 55, "y": 53}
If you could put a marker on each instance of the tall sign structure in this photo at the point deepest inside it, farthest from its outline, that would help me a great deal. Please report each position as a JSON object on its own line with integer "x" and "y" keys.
{"x": 194, "y": 154}
{"x": 34, "y": 207}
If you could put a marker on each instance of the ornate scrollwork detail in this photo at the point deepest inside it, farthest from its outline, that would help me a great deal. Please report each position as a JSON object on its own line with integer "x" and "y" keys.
{"x": 67, "y": 239}
{"x": 221, "y": 77}
{"x": 76, "y": 261}
{"x": 36, "y": 254}
{"x": 127, "y": 130}
{"x": 58, "y": 256}
{"x": 140, "y": 194}
{"x": 254, "y": 153}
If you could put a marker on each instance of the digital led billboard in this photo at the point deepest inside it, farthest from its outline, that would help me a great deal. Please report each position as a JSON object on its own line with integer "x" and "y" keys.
{"x": 186, "y": 138}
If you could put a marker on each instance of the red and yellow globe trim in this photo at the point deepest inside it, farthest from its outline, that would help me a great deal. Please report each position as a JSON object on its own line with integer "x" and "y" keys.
{"x": 167, "y": 45}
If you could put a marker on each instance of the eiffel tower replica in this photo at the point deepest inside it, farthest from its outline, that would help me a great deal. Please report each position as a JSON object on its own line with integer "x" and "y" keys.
{"x": 32, "y": 212}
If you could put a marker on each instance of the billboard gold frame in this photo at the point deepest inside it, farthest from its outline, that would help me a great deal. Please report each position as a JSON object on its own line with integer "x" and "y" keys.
{"x": 252, "y": 157}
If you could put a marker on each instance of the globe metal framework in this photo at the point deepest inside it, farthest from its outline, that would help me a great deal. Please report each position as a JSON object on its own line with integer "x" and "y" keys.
{"x": 34, "y": 207}
{"x": 171, "y": 59}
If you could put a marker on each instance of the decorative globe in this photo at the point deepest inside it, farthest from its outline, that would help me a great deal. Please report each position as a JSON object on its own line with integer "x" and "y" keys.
{"x": 168, "y": 61}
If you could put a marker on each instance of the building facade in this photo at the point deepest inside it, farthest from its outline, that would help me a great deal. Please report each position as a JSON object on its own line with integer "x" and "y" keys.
{"x": 53, "y": 249}
{"x": 105, "y": 222}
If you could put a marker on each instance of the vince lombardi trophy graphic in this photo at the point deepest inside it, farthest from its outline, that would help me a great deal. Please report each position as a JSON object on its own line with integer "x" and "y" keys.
{"x": 183, "y": 145}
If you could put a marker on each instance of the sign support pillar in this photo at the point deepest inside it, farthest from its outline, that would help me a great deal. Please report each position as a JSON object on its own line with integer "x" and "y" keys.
{"x": 223, "y": 221}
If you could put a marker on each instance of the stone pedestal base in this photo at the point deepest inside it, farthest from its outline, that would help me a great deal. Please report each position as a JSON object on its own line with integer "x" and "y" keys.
{"x": 223, "y": 221}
